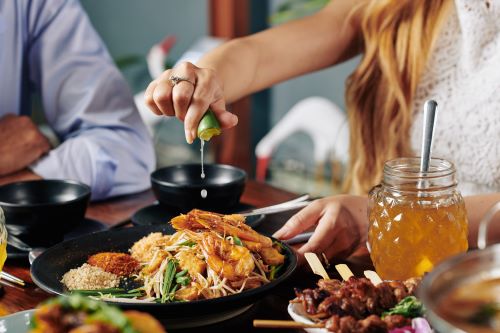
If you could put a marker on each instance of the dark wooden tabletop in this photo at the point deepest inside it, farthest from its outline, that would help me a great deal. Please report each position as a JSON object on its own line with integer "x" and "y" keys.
{"x": 274, "y": 306}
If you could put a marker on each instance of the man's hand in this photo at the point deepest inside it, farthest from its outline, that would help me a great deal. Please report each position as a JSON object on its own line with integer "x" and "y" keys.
{"x": 21, "y": 143}
{"x": 18, "y": 176}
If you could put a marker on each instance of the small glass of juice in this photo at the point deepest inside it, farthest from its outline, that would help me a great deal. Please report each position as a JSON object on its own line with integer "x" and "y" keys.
{"x": 416, "y": 219}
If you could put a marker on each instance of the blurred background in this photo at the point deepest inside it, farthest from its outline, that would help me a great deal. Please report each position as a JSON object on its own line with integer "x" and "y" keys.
{"x": 300, "y": 159}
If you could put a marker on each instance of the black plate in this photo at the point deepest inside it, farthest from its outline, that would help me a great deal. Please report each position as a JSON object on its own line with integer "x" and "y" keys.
{"x": 87, "y": 226}
{"x": 157, "y": 214}
{"x": 48, "y": 269}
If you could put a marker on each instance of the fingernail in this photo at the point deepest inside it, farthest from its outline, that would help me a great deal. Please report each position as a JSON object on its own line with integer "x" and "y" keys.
{"x": 235, "y": 120}
{"x": 280, "y": 234}
{"x": 188, "y": 136}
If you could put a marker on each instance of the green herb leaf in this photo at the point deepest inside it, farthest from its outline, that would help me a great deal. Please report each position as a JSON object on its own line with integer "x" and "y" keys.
{"x": 97, "y": 292}
{"x": 485, "y": 313}
{"x": 181, "y": 273}
{"x": 274, "y": 271}
{"x": 136, "y": 290}
{"x": 237, "y": 241}
{"x": 114, "y": 292}
{"x": 188, "y": 243}
{"x": 278, "y": 246}
{"x": 409, "y": 307}
{"x": 168, "y": 278}
{"x": 183, "y": 280}
{"x": 171, "y": 295}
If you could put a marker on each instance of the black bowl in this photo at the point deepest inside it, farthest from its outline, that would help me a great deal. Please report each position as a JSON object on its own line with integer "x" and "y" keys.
{"x": 49, "y": 267}
{"x": 180, "y": 186}
{"x": 38, "y": 213}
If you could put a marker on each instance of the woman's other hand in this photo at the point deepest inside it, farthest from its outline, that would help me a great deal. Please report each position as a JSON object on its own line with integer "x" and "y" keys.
{"x": 197, "y": 90}
{"x": 341, "y": 225}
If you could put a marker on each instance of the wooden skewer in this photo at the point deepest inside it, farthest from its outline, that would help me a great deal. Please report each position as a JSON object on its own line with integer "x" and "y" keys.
{"x": 373, "y": 277}
{"x": 316, "y": 266}
{"x": 284, "y": 324}
{"x": 344, "y": 271}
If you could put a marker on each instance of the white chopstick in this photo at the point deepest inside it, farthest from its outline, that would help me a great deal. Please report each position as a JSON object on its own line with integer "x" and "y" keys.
{"x": 11, "y": 278}
{"x": 299, "y": 202}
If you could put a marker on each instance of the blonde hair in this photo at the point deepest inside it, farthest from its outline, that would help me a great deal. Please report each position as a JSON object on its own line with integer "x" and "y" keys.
{"x": 398, "y": 38}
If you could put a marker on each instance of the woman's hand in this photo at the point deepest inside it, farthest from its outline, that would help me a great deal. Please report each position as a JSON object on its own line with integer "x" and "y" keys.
{"x": 341, "y": 225}
{"x": 189, "y": 99}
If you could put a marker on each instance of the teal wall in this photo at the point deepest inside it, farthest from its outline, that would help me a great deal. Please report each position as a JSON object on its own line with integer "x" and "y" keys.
{"x": 329, "y": 83}
{"x": 131, "y": 27}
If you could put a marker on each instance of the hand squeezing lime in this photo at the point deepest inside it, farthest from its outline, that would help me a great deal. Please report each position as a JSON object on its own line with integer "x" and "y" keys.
{"x": 208, "y": 126}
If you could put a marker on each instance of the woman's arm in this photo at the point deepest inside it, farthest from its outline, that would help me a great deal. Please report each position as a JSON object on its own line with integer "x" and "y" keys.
{"x": 252, "y": 63}
{"x": 477, "y": 206}
{"x": 248, "y": 64}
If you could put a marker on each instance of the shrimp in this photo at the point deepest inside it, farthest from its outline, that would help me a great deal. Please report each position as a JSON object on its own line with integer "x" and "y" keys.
{"x": 232, "y": 262}
{"x": 188, "y": 260}
{"x": 271, "y": 256}
{"x": 186, "y": 222}
{"x": 225, "y": 225}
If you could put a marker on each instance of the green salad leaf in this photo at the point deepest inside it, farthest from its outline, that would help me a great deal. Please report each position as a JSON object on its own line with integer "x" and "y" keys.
{"x": 410, "y": 307}
{"x": 97, "y": 311}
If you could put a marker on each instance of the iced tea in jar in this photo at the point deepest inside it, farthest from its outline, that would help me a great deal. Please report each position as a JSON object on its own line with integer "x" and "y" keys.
{"x": 416, "y": 219}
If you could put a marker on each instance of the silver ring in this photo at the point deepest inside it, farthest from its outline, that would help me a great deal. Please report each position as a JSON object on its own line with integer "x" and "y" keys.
{"x": 174, "y": 79}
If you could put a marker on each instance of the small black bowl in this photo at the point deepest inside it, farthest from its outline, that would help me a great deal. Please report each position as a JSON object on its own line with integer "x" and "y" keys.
{"x": 179, "y": 186}
{"x": 38, "y": 213}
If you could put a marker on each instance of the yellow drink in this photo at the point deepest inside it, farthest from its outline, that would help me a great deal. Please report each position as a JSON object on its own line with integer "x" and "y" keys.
{"x": 3, "y": 254}
{"x": 416, "y": 219}
{"x": 3, "y": 240}
{"x": 408, "y": 240}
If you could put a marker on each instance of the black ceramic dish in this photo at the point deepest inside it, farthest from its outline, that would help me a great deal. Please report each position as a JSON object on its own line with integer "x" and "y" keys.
{"x": 40, "y": 212}
{"x": 180, "y": 186}
{"x": 158, "y": 214}
{"x": 49, "y": 267}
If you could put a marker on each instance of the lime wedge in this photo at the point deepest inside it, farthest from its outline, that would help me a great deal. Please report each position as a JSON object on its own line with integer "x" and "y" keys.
{"x": 208, "y": 126}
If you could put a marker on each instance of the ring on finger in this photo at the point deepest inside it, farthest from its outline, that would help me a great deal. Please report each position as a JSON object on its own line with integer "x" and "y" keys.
{"x": 174, "y": 79}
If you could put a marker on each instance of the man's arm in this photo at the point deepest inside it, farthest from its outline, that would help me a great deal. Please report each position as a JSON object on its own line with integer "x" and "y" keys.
{"x": 88, "y": 104}
{"x": 21, "y": 143}
{"x": 18, "y": 176}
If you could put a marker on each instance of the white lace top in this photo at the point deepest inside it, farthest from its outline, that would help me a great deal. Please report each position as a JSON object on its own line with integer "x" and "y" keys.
{"x": 463, "y": 76}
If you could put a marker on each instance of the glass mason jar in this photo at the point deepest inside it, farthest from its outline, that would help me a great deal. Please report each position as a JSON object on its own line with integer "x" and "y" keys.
{"x": 415, "y": 219}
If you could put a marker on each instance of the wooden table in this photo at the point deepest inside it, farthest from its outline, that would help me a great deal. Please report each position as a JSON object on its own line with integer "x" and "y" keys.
{"x": 119, "y": 209}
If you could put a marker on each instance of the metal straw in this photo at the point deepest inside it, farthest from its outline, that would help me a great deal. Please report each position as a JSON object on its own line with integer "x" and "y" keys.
{"x": 427, "y": 135}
